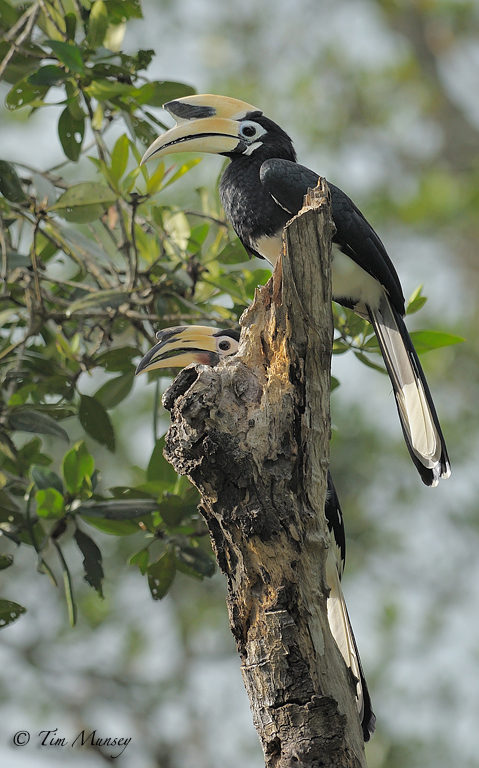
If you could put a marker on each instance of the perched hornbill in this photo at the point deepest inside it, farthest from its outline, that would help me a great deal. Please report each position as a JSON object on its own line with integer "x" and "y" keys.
{"x": 183, "y": 345}
{"x": 261, "y": 189}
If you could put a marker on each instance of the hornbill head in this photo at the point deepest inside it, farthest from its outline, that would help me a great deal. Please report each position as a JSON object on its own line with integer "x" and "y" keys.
{"x": 178, "y": 347}
{"x": 220, "y": 125}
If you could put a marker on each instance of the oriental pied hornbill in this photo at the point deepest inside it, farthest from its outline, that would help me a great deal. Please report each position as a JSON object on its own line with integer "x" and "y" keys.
{"x": 261, "y": 189}
{"x": 178, "y": 347}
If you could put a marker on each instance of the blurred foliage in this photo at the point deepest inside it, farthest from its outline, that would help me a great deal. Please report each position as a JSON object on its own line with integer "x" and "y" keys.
{"x": 88, "y": 270}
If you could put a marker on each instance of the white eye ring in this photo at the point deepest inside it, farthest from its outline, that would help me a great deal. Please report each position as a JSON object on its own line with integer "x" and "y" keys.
{"x": 251, "y": 130}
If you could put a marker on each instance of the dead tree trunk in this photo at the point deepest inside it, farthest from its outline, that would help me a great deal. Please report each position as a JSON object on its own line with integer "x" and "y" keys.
{"x": 253, "y": 436}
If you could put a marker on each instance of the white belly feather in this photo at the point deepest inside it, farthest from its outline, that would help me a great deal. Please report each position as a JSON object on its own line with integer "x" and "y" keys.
{"x": 350, "y": 281}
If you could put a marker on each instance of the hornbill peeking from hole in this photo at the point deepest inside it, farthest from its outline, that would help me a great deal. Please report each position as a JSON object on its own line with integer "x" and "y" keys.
{"x": 178, "y": 347}
{"x": 261, "y": 190}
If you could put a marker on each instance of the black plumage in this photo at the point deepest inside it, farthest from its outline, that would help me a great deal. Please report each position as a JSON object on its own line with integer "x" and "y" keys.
{"x": 261, "y": 189}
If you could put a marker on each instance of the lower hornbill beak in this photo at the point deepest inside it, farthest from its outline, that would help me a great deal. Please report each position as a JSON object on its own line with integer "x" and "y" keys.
{"x": 205, "y": 123}
{"x": 178, "y": 347}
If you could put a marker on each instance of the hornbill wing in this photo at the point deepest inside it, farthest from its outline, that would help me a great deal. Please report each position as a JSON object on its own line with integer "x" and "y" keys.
{"x": 288, "y": 183}
{"x": 338, "y": 616}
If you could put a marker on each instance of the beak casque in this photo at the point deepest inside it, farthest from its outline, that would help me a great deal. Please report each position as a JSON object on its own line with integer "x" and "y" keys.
{"x": 178, "y": 347}
{"x": 209, "y": 105}
{"x": 205, "y": 123}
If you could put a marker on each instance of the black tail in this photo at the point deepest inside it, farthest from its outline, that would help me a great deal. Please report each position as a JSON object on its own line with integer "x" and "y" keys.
{"x": 416, "y": 409}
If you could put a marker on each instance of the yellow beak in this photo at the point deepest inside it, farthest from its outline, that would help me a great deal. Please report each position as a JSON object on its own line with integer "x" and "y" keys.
{"x": 205, "y": 123}
{"x": 209, "y": 134}
{"x": 178, "y": 347}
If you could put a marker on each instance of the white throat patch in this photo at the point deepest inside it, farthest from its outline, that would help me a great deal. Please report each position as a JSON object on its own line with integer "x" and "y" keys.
{"x": 249, "y": 150}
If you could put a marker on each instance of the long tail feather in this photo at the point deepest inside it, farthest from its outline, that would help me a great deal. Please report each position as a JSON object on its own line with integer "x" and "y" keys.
{"x": 338, "y": 613}
{"x": 343, "y": 634}
{"x": 416, "y": 409}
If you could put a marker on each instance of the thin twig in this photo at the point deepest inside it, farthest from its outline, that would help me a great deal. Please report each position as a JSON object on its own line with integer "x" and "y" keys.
{"x": 31, "y": 15}
{"x": 133, "y": 260}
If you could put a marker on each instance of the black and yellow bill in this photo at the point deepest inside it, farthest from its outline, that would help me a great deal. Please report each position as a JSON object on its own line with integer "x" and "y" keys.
{"x": 186, "y": 344}
{"x": 205, "y": 123}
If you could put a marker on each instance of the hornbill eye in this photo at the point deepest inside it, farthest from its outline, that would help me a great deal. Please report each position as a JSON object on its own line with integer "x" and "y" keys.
{"x": 224, "y": 345}
{"x": 250, "y": 130}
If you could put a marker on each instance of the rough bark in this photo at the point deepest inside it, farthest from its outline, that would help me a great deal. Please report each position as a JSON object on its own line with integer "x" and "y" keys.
{"x": 253, "y": 436}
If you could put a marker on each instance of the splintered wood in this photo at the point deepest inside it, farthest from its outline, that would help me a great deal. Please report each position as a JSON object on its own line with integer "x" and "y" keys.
{"x": 253, "y": 436}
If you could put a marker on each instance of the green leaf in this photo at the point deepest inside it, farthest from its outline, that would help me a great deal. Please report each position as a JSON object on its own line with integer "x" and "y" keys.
{"x": 158, "y": 92}
{"x": 364, "y": 359}
{"x": 10, "y": 612}
{"x": 45, "y": 478}
{"x": 159, "y": 470}
{"x": 340, "y": 346}
{"x": 103, "y": 90}
{"x": 141, "y": 559}
{"x": 161, "y": 575}
{"x": 5, "y": 561}
{"x": 113, "y": 527}
{"x": 7, "y": 506}
{"x": 112, "y": 392}
{"x": 118, "y": 509}
{"x": 119, "y": 157}
{"x": 50, "y": 504}
{"x": 92, "y": 561}
{"x": 197, "y": 560}
{"x": 117, "y": 359}
{"x": 143, "y": 130}
{"x": 21, "y": 63}
{"x": 182, "y": 170}
{"x": 416, "y": 305}
{"x": 10, "y": 184}
{"x": 69, "y": 54}
{"x": 172, "y": 509}
{"x": 8, "y": 15}
{"x": 35, "y": 421}
{"x": 124, "y": 492}
{"x": 23, "y": 93}
{"x": 7, "y": 447}
{"x": 120, "y": 11}
{"x": 71, "y": 25}
{"x": 105, "y": 171}
{"x": 51, "y": 21}
{"x": 234, "y": 253}
{"x": 425, "y": 341}
{"x": 334, "y": 383}
{"x": 96, "y": 422}
{"x": 49, "y": 76}
{"x": 86, "y": 193}
{"x": 110, "y": 298}
{"x": 129, "y": 181}
{"x": 71, "y": 132}
{"x": 416, "y": 301}
{"x": 153, "y": 184}
{"x": 78, "y": 467}
{"x": 97, "y": 24}
{"x": 82, "y": 214}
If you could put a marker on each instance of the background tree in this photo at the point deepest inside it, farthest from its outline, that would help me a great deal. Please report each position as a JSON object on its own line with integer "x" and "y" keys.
{"x": 91, "y": 248}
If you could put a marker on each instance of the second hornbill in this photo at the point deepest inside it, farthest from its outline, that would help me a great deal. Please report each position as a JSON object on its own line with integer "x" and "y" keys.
{"x": 178, "y": 347}
{"x": 261, "y": 190}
